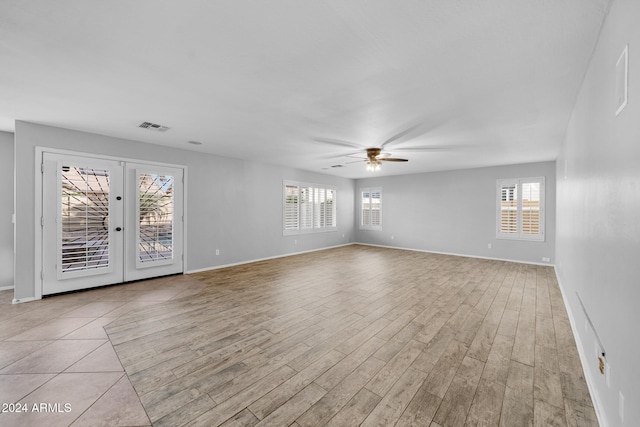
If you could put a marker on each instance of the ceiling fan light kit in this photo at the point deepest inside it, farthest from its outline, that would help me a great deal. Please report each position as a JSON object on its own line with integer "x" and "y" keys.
{"x": 374, "y": 158}
{"x": 373, "y": 165}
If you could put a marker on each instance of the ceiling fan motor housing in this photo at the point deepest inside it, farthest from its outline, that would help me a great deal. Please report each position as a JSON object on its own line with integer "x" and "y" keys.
{"x": 373, "y": 153}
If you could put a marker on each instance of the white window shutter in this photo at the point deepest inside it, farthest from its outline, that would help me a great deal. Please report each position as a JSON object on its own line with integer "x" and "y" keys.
{"x": 308, "y": 208}
{"x": 291, "y": 206}
{"x": 520, "y": 207}
{"x": 508, "y": 208}
{"x": 371, "y": 208}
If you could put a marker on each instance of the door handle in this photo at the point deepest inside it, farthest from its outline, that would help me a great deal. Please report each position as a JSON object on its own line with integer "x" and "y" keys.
{"x": 118, "y": 228}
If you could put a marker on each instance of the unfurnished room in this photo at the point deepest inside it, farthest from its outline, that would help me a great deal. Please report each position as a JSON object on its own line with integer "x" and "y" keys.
{"x": 320, "y": 213}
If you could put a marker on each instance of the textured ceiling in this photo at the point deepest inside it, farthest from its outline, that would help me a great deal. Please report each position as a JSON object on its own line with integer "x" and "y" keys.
{"x": 298, "y": 83}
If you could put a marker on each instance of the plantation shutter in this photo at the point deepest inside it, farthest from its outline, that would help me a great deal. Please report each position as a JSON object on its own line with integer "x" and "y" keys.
{"x": 376, "y": 208}
{"x": 330, "y": 209}
{"x": 508, "y": 208}
{"x": 291, "y": 205}
{"x": 371, "y": 208}
{"x": 366, "y": 209}
{"x": 521, "y": 209}
{"x": 531, "y": 208}
{"x": 318, "y": 208}
{"x": 306, "y": 207}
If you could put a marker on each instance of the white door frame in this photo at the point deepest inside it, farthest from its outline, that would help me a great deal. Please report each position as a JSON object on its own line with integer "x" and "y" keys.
{"x": 38, "y": 199}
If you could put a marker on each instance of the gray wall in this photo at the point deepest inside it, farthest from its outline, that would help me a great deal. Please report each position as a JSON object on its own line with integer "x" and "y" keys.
{"x": 455, "y": 212}
{"x": 598, "y": 242}
{"x": 6, "y": 210}
{"x": 233, "y": 205}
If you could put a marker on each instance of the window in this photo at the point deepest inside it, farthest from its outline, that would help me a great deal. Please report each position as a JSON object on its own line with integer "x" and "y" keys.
{"x": 308, "y": 208}
{"x": 520, "y": 209}
{"x": 371, "y": 209}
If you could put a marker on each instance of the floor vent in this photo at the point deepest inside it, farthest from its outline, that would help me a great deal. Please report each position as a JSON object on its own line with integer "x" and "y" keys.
{"x": 153, "y": 126}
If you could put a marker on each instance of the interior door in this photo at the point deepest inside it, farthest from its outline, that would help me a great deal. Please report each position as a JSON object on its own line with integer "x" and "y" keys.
{"x": 107, "y": 222}
{"x": 82, "y": 223}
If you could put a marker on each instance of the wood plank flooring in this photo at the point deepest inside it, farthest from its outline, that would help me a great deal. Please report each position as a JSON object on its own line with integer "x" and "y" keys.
{"x": 360, "y": 336}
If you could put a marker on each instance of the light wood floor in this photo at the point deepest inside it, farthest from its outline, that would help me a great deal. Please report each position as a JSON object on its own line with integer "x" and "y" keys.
{"x": 360, "y": 336}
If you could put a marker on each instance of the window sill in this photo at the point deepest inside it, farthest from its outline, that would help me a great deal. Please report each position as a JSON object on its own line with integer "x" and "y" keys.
{"x": 520, "y": 238}
{"x": 308, "y": 231}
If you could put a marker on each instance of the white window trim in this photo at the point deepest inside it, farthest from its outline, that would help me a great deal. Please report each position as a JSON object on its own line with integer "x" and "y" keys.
{"x": 360, "y": 220}
{"x": 520, "y": 235}
{"x": 315, "y": 227}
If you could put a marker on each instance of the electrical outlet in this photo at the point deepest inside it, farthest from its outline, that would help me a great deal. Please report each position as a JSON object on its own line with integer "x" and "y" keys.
{"x": 545, "y": 259}
{"x": 489, "y": 246}
{"x": 217, "y": 251}
{"x": 295, "y": 242}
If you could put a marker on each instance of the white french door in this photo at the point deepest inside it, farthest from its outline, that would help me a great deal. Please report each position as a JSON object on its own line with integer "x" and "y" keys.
{"x": 107, "y": 221}
{"x": 153, "y": 241}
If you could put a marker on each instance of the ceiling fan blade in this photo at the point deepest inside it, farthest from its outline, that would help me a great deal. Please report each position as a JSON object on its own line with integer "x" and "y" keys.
{"x": 337, "y": 156}
{"x": 355, "y": 155}
{"x": 338, "y": 142}
{"x": 398, "y": 136}
{"x": 356, "y": 161}
{"x": 430, "y": 148}
{"x": 392, "y": 159}
{"x": 415, "y": 131}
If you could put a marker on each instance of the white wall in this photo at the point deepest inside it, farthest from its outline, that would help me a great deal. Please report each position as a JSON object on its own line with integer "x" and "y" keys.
{"x": 233, "y": 205}
{"x": 455, "y": 212}
{"x": 6, "y": 210}
{"x": 598, "y": 233}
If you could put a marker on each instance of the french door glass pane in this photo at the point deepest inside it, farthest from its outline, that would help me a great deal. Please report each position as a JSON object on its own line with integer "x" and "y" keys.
{"x": 84, "y": 228}
{"x": 155, "y": 216}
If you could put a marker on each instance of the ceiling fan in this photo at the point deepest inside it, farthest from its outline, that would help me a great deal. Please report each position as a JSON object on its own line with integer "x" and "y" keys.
{"x": 375, "y": 156}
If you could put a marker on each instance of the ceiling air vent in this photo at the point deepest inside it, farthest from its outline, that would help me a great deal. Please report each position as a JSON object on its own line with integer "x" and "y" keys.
{"x": 153, "y": 126}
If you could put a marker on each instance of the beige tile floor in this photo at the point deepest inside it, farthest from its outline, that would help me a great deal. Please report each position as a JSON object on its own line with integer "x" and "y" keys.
{"x": 57, "y": 362}
{"x": 382, "y": 335}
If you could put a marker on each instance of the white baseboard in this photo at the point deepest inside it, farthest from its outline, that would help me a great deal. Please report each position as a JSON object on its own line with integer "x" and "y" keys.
{"x": 6, "y": 288}
{"x": 595, "y": 397}
{"x": 217, "y": 267}
{"x": 21, "y": 300}
{"x": 545, "y": 264}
